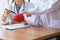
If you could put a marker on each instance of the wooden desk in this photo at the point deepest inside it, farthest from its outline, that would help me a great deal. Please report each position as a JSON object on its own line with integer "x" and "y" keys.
{"x": 31, "y": 33}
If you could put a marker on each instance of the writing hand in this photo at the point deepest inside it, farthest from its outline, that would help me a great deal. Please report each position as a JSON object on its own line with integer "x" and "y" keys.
{"x": 6, "y": 13}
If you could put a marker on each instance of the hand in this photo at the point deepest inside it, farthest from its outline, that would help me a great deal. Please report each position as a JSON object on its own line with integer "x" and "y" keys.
{"x": 6, "y": 13}
{"x": 27, "y": 14}
{"x": 25, "y": 22}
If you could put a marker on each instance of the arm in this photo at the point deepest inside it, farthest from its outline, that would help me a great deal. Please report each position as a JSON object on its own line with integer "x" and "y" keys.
{"x": 5, "y": 14}
{"x": 54, "y": 7}
{"x": 36, "y": 11}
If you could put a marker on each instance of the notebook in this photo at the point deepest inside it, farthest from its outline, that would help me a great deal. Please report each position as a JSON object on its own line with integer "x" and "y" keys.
{"x": 13, "y": 26}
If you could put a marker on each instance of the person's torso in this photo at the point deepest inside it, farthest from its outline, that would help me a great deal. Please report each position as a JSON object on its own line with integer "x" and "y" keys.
{"x": 26, "y": 7}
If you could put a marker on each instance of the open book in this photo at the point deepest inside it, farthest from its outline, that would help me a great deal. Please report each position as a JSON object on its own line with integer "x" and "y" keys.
{"x": 13, "y": 26}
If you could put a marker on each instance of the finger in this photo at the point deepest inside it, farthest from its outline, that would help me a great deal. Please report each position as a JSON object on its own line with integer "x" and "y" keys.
{"x": 23, "y": 12}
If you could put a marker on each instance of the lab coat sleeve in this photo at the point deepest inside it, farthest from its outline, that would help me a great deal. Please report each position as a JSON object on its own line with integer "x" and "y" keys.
{"x": 37, "y": 11}
{"x": 54, "y": 7}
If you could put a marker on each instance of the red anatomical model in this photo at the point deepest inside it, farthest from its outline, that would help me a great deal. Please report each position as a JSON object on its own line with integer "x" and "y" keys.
{"x": 18, "y": 18}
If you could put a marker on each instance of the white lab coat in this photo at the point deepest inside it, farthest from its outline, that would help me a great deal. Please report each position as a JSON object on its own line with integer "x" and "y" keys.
{"x": 51, "y": 19}
{"x": 25, "y": 7}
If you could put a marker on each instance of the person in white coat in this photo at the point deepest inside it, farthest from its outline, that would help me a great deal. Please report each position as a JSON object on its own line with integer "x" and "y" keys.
{"x": 52, "y": 14}
{"x": 17, "y": 6}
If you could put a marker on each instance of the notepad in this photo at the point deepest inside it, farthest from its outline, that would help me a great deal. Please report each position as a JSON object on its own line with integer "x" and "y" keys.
{"x": 13, "y": 26}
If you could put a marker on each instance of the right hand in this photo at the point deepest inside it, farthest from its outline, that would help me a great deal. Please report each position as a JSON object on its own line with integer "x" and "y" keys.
{"x": 6, "y": 13}
{"x": 27, "y": 13}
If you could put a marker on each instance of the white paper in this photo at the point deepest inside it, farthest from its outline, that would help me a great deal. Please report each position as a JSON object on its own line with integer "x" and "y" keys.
{"x": 13, "y": 26}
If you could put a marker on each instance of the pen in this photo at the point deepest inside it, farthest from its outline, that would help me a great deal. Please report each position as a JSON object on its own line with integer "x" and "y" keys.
{"x": 15, "y": 13}
{"x": 10, "y": 11}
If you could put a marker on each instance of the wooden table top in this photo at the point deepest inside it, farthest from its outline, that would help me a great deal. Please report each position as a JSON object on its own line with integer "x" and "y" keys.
{"x": 31, "y": 33}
